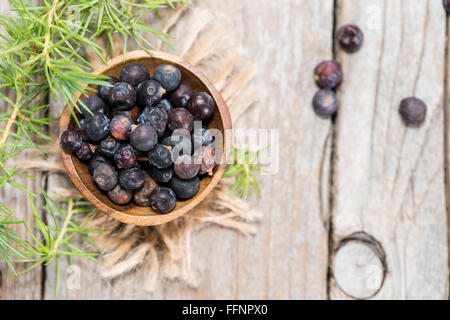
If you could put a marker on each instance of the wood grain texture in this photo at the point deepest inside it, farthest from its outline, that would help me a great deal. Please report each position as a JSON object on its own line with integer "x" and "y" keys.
{"x": 447, "y": 135}
{"x": 288, "y": 257}
{"x": 389, "y": 179}
{"x": 27, "y": 286}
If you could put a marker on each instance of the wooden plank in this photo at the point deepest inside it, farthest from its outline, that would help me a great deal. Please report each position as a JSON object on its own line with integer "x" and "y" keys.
{"x": 27, "y": 286}
{"x": 389, "y": 179}
{"x": 447, "y": 135}
{"x": 288, "y": 256}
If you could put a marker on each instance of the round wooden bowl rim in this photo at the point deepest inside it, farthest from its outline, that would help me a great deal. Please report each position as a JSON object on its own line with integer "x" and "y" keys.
{"x": 153, "y": 219}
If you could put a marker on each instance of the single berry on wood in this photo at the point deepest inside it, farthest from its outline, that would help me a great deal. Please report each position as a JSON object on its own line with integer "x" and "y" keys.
{"x": 413, "y": 111}
{"x": 350, "y": 38}
{"x": 325, "y": 103}
{"x": 447, "y": 6}
{"x": 328, "y": 74}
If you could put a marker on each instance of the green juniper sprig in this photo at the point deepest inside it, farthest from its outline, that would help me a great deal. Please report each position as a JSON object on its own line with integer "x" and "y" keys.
{"x": 58, "y": 239}
{"x": 8, "y": 238}
{"x": 243, "y": 168}
{"x": 42, "y": 53}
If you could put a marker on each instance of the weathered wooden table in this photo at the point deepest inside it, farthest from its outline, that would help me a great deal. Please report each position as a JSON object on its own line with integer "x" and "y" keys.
{"x": 362, "y": 172}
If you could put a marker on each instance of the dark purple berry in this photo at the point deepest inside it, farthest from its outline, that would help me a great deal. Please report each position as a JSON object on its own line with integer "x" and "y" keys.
{"x": 71, "y": 140}
{"x": 163, "y": 200}
{"x": 185, "y": 167}
{"x": 161, "y": 175}
{"x": 168, "y": 75}
{"x": 142, "y": 195}
{"x": 143, "y": 137}
{"x": 103, "y": 91}
{"x": 181, "y": 95}
{"x": 149, "y": 93}
{"x": 185, "y": 189}
{"x": 120, "y": 127}
{"x": 155, "y": 117}
{"x": 180, "y": 144}
{"x": 133, "y": 113}
{"x": 350, "y": 38}
{"x": 109, "y": 146}
{"x": 81, "y": 131}
{"x": 206, "y": 156}
{"x": 97, "y": 159}
{"x": 165, "y": 105}
{"x": 125, "y": 156}
{"x": 325, "y": 103}
{"x": 131, "y": 179}
{"x": 447, "y": 6}
{"x": 201, "y": 105}
{"x": 95, "y": 104}
{"x": 97, "y": 127}
{"x": 134, "y": 74}
{"x": 328, "y": 74}
{"x": 122, "y": 96}
{"x": 160, "y": 157}
{"x": 413, "y": 111}
{"x": 203, "y": 137}
{"x": 86, "y": 152}
{"x": 120, "y": 196}
{"x": 105, "y": 176}
{"x": 180, "y": 118}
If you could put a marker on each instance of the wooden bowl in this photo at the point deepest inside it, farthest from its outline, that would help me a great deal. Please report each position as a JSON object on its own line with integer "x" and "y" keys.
{"x": 133, "y": 214}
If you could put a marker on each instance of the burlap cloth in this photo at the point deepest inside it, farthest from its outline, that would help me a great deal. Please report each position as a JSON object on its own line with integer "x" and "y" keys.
{"x": 164, "y": 252}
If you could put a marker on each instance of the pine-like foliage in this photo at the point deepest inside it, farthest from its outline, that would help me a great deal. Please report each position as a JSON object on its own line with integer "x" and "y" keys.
{"x": 42, "y": 53}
